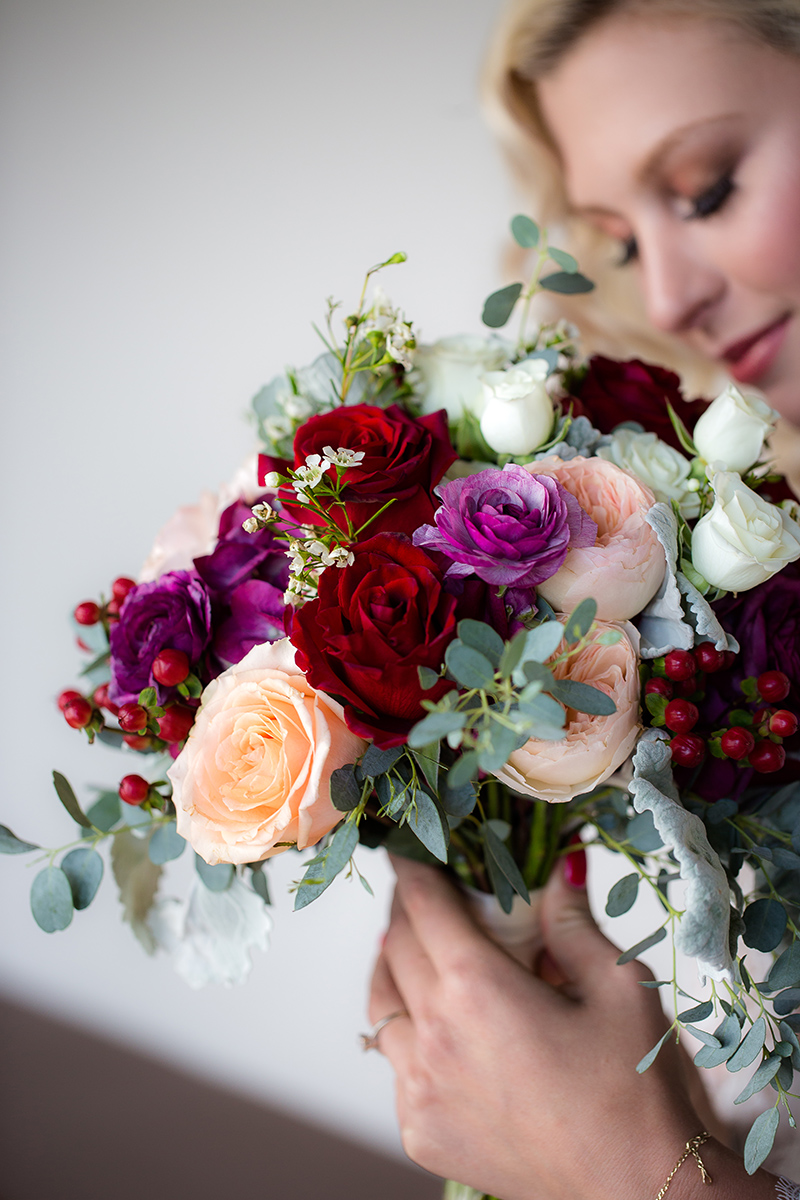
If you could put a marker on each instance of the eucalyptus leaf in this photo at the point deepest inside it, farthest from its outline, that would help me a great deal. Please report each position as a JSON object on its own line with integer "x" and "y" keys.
{"x": 513, "y": 654}
{"x": 435, "y": 726}
{"x": 483, "y": 638}
{"x": 69, "y": 800}
{"x": 463, "y": 770}
{"x": 84, "y": 870}
{"x": 500, "y": 305}
{"x": 106, "y": 811}
{"x": 429, "y": 823}
{"x": 166, "y": 844}
{"x": 563, "y": 260}
{"x": 785, "y": 859}
{"x": 566, "y": 283}
{"x": 786, "y": 971}
{"x": 427, "y": 678}
{"x": 261, "y": 885}
{"x": 760, "y": 1139}
{"x": 323, "y": 869}
{"x": 51, "y": 900}
{"x": 699, "y": 1013}
{"x": 651, "y": 1056}
{"x": 504, "y": 742}
{"x": 469, "y": 667}
{"x": 580, "y": 621}
{"x": 750, "y": 1047}
{"x": 499, "y": 852}
{"x": 728, "y": 1034}
{"x": 543, "y": 641}
{"x": 427, "y": 759}
{"x": 345, "y": 788}
{"x": 583, "y": 698}
{"x": 707, "y": 1039}
{"x": 787, "y": 1002}
{"x": 640, "y": 947}
{"x": 500, "y": 885}
{"x": 459, "y": 802}
{"x": 11, "y": 844}
{"x": 525, "y": 232}
{"x": 623, "y": 895}
{"x": 721, "y": 811}
{"x": 377, "y": 762}
{"x": 641, "y": 833}
{"x": 764, "y": 924}
{"x": 217, "y": 878}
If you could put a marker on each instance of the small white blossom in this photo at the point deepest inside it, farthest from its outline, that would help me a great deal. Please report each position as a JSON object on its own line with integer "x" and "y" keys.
{"x": 340, "y": 556}
{"x": 278, "y": 427}
{"x": 272, "y": 480}
{"x": 343, "y": 457}
{"x": 399, "y": 340}
{"x": 250, "y": 525}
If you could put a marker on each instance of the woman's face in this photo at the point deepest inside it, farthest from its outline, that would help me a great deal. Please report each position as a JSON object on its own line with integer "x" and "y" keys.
{"x": 680, "y": 137}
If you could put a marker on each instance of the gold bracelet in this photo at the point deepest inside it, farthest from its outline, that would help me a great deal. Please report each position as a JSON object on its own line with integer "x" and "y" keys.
{"x": 692, "y": 1148}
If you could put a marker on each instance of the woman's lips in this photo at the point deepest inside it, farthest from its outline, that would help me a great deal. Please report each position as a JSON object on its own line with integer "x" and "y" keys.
{"x": 750, "y": 358}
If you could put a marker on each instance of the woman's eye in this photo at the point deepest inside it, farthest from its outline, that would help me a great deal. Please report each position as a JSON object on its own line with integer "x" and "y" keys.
{"x": 711, "y": 200}
{"x": 630, "y": 252}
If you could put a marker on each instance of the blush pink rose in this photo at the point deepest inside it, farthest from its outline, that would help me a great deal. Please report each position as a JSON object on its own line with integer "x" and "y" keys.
{"x": 594, "y": 747}
{"x": 256, "y": 768}
{"x": 624, "y": 569}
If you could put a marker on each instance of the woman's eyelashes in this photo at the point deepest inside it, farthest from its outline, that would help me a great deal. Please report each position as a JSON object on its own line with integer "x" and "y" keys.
{"x": 711, "y": 200}
{"x": 630, "y": 252}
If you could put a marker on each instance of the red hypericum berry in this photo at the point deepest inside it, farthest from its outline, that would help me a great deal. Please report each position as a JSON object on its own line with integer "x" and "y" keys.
{"x": 176, "y": 723}
{"x": 575, "y": 863}
{"x": 730, "y": 659}
{"x": 773, "y": 686}
{"x": 121, "y": 586}
{"x": 680, "y": 664}
{"x": 767, "y": 757}
{"x": 681, "y": 716}
{"x": 783, "y": 723}
{"x": 132, "y": 718}
{"x": 133, "y": 789}
{"x": 737, "y": 742}
{"x": 709, "y": 658}
{"x": 688, "y": 687}
{"x": 87, "y": 613}
{"x": 138, "y": 743}
{"x": 761, "y": 716}
{"x": 78, "y": 713}
{"x": 112, "y": 609}
{"x": 101, "y": 699}
{"x": 65, "y": 697}
{"x": 170, "y": 667}
{"x": 688, "y": 750}
{"x": 658, "y": 687}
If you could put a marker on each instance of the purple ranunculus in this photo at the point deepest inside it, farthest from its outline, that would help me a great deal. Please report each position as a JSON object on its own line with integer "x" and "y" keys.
{"x": 239, "y": 556}
{"x": 509, "y": 527}
{"x": 172, "y": 612}
{"x": 257, "y": 615}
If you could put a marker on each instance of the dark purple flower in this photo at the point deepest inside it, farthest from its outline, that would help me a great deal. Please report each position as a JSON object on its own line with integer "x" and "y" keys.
{"x": 239, "y": 556}
{"x": 257, "y": 615}
{"x": 509, "y": 527}
{"x": 172, "y": 612}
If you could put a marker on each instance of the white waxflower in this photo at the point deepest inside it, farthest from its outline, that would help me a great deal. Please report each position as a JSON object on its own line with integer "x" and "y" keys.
{"x": 308, "y": 476}
{"x": 733, "y": 428}
{"x": 654, "y": 463}
{"x": 343, "y": 457}
{"x": 450, "y": 370}
{"x": 518, "y": 416}
{"x": 399, "y": 340}
{"x": 250, "y": 525}
{"x": 744, "y": 539}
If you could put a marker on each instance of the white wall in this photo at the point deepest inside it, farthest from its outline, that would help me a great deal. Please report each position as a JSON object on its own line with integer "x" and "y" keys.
{"x": 185, "y": 182}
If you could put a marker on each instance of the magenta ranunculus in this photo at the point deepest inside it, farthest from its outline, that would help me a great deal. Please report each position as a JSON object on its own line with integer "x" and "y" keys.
{"x": 172, "y": 612}
{"x": 256, "y": 615}
{"x": 240, "y": 556}
{"x": 509, "y": 527}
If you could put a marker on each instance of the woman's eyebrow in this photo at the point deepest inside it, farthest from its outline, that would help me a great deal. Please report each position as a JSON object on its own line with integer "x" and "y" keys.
{"x": 653, "y": 162}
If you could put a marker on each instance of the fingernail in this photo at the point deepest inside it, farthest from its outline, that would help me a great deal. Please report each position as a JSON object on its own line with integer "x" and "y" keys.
{"x": 575, "y": 864}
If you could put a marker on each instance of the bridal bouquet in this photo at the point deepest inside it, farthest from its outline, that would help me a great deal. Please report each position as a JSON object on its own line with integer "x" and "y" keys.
{"x": 478, "y": 599}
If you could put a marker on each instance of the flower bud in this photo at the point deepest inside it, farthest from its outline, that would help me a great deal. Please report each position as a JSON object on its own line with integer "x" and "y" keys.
{"x": 518, "y": 415}
{"x": 733, "y": 428}
{"x": 450, "y": 372}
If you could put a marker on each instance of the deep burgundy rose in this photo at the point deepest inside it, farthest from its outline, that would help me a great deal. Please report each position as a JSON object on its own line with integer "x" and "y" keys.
{"x": 404, "y": 459}
{"x": 612, "y": 392}
{"x": 509, "y": 527}
{"x": 172, "y": 612}
{"x": 256, "y": 615}
{"x": 372, "y": 624}
{"x": 239, "y": 556}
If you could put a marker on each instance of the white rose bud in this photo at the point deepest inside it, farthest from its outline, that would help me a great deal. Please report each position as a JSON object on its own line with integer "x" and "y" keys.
{"x": 733, "y": 428}
{"x": 654, "y": 463}
{"x": 450, "y": 372}
{"x": 518, "y": 415}
{"x": 744, "y": 539}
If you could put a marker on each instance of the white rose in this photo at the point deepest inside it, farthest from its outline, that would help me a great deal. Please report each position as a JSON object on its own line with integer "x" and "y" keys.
{"x": 654, "y": 463}
{"x": 518, "y": 415}
{"x": 733, "y": 428}
{"x": 743, "y": 540}
{"x": 450, "y": 371}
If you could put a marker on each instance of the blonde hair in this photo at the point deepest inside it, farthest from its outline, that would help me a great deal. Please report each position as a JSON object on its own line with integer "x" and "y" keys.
{"x": 530, "y": 40}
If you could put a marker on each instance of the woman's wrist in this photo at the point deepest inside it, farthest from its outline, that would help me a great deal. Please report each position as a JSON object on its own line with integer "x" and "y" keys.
{"x": 724, "y": 1167}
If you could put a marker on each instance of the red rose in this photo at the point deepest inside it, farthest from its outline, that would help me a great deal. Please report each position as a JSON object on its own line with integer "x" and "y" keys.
{"x": 404, "y": 459}
{"x": 371, "y": 626}
{"x": 612, "y": 392}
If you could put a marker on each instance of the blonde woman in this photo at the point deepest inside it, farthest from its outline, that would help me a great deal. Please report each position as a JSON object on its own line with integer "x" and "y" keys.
{"x": 664, "y": 137}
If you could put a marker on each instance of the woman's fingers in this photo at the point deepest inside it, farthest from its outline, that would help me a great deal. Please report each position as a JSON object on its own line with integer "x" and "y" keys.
{"x": 408, "y": 962}
{"x": 395, "y": 1039}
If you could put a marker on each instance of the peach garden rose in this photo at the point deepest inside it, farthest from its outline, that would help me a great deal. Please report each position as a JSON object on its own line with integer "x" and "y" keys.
{"x": 623, "y": 570}
{"x": 594, "y": 747}
{"x": 256, "y": 768}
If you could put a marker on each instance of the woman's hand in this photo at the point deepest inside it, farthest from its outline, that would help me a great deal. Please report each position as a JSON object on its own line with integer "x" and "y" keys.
{"x": 524, "y": 1088}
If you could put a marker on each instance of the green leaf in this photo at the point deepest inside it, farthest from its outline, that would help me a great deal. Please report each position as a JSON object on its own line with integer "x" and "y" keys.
{"x": 512, "y": 654}
{"x": 11, "y": 844}
{"x": 499, "y": 852}
{"x": 543, "y": 641}
{"x": 791, "y": 1037}
{"x": 580, "y": 621}
{"x": 566, "y": 283}
{"x": 786, "y": 971}
{"x": 707, "y": 1039}
{"x": 345, "y": 788}
{"x": 563, "y": 260}
{"x": 459, "y": 802}
{"x": 642, "y": 834}
{"x": 500, "y": 305}
{"x": 217, "y": 878}
{"x": 728, "y": 1034}
{"x": 427, "y": 759}
{"x": 623, "y": 895}
{"x": 583, "y": 698}
{"x": 261, "y": 885}
{"x": 137, "y": 879}
{"x": 435, "y": 726}
{"x": 683, "y": 436}
{"x": 106, "y": 811}
{"x": 760, "y": 1139}
{"x": 84, "y": 871}
{"x": 463, "y": 770}
{"x": 378, "y": 762}
{"x": 51, "y": 900}
{"x": 750, "y": 1047}
{"x": 640, "y": 947}
{"x": 322, "y": 870}
{"x": 148, "y": 697}
{"x": 69, "y": 800}
{"x": 650, "y": 1057}
{"x": 469, "y": 667}
{"x": 429, "y": 823}
{"x": 166, "y": 844}
{"x": 427, "y": 678}
{"x": 787, "y": 1002}
{"x": 525, "y": 231}
{"x": 499, "y": 884}
{"x": 699, "y": 1013}
{"x": 481, "y": 637}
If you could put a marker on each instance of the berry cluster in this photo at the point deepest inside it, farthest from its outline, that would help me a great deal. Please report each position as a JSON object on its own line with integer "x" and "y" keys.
{"x": 89, "y": 612}
{"x": 752, "y": 739}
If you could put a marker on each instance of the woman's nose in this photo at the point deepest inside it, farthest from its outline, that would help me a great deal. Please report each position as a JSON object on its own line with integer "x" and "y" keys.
{"x": 680, "y": 287}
